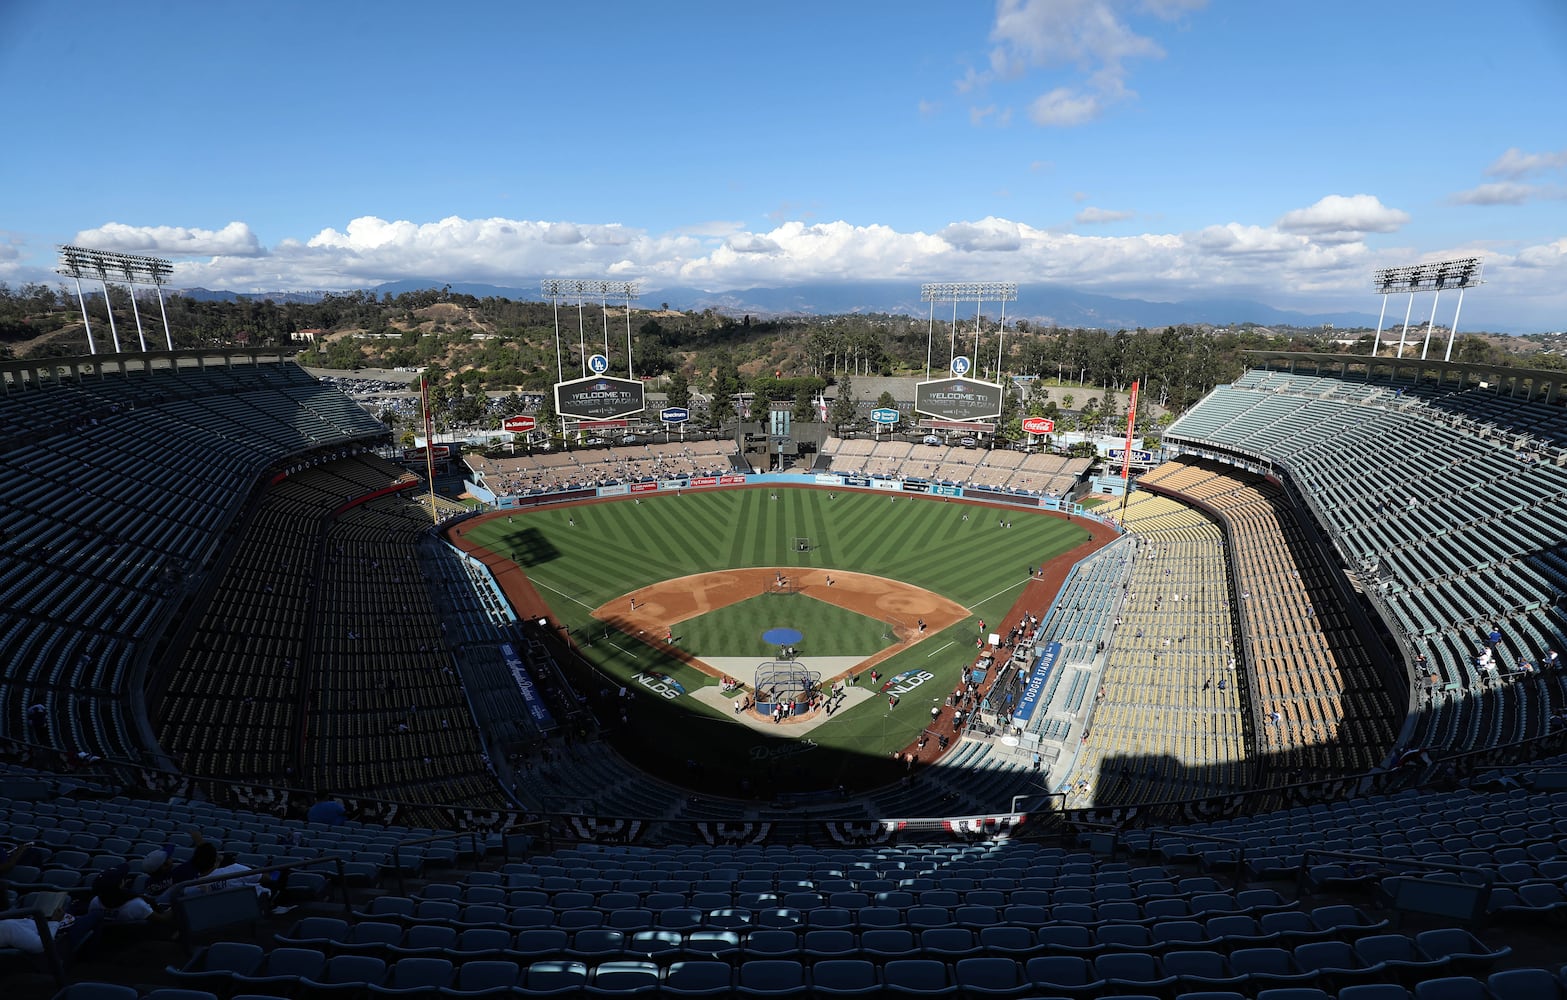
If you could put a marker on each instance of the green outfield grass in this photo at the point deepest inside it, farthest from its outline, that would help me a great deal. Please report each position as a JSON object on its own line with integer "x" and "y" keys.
{"x": 582, "y": 557}
{"x": 736, "y": 630}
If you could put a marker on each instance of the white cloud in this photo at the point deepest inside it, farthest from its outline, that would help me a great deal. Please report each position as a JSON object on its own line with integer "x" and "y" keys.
{"x": 1516, "y": 163}
{"x": 928, "y": 109}
{"x": 989, "y": 234}
{"x": 1092, "y": 216}
{"x": 1063, "y": 108}
{"x": 1091, "y": 40}
{"x": 1547, "y": 255}
{"x": 234, "y": 239}
{"x": 977, "y": 116}
{"x": 1505, "y": 193}
{"x": 1310, "y": 264}
{"x": 1338, "y": 219}
{"x": 751, "y": 243}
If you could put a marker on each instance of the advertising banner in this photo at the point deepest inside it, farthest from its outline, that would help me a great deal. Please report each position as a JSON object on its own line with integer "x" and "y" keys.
{"x": 1036, "y": 683}
{"x": 959, "y": 399}
{"x": 598, "y": 397}
{"x": 537, "y": 709}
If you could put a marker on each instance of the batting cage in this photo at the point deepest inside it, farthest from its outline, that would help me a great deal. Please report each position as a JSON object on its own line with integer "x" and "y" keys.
{"x": 784, "y": 682}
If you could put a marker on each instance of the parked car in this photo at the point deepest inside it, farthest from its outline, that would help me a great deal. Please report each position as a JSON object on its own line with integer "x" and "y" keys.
{"x": 594, "y": 441}
{"x": 630, "y": 439}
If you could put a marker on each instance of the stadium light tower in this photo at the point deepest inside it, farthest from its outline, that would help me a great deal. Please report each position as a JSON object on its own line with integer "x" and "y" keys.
{"x": 1459, "y": 273}
{"x": 71, "y": 266}
{"x": 556, "y": 289}
{"x": 619, "y": 289}
{"x": 977, "y": 292}
{"x": 132, "y": 269}
{"x": 583, "y": 290}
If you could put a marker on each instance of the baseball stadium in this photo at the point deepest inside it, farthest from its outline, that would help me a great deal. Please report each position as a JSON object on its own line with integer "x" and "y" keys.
{"x": 1279, "y": 709}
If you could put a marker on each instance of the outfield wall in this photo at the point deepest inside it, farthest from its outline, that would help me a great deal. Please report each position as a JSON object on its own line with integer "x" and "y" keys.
{"x": 822, "y": 479}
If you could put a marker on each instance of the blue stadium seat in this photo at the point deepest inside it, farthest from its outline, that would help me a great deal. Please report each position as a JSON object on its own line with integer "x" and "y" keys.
{"x": 483, "y": 979}
{"x": 916, "y": 977}
{"x": 699, "y": 978}
{"x": 623, "y": 979}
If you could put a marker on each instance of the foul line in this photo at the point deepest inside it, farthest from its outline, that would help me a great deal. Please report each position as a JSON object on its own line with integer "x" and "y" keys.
{"x": 982, "y": 600}
{"x": 623, "y": 649}
{"x": 562, "y": 593}
{"x": 938, "y": 649}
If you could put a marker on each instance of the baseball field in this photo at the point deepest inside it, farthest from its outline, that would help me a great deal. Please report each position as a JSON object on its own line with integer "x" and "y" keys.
{"x": 668, "y": 594}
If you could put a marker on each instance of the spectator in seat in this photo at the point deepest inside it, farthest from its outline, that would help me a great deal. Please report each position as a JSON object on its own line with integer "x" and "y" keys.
{"x": 327, "y": 811}
{"x": 114, "y": 893}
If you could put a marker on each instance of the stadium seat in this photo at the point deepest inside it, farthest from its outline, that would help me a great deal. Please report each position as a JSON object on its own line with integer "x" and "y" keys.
{"x": 1523, "y": 984}
{"x": 483, "y": 979}
{"x": 1451, "y": 988}
{"x": 623, "y": 979}
{"x": 1464, "y": 953}
{"x": 414, "y": 977}
{"x": 699, "y": 978}
{"x": 772, "y": 979}
{"x": 916, "y": 977}
{"x": 214, "y": 966}
{"x": 554, "y": 978}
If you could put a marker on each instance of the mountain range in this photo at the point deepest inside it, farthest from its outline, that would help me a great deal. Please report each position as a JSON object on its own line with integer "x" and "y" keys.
{"x": 1041, "y": 305}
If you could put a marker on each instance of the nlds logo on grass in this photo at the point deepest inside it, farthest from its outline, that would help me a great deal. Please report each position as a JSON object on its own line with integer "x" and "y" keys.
{"x": 905, "y": 682}
{"x": 663, "y": 685}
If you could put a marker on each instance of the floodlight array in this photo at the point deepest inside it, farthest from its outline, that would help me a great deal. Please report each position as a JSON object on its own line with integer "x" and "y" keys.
{"x": 969, "y": 291}
{"x": 81, "y": 262}
{"x": 132, "y": 269}
{"x": 1463, "y": 272}
{"x": 587, "y": 288}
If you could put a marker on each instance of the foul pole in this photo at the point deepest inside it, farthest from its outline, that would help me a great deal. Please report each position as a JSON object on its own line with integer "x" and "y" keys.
{"x": 429, "y": 446}
{"x": 1126, "y": 450}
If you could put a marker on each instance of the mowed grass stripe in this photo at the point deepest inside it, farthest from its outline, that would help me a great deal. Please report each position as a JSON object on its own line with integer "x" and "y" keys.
{"x": 853, "y": 519}
{"x": 654, "y": 532}
{"x": 687, "y": 521}
{"x": 907, "y": 526}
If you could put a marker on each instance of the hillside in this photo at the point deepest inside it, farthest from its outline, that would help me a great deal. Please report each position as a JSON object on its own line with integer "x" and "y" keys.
{"x": 470, "y": 343}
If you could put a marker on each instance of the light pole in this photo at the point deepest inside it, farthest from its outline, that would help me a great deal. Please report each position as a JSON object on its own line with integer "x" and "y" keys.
{"x": 1435, "y": 277}
{"x": 80, "y": 262}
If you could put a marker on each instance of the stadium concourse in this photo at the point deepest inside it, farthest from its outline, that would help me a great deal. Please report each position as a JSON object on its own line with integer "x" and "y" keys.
{"x": 1326, "y": 751}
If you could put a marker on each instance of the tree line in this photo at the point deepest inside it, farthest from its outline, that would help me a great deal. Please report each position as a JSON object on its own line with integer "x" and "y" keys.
{"x": 472, "y": 345}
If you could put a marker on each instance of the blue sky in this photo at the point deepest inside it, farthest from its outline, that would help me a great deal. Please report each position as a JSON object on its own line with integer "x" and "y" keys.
{"x": 1164, "y": 149}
